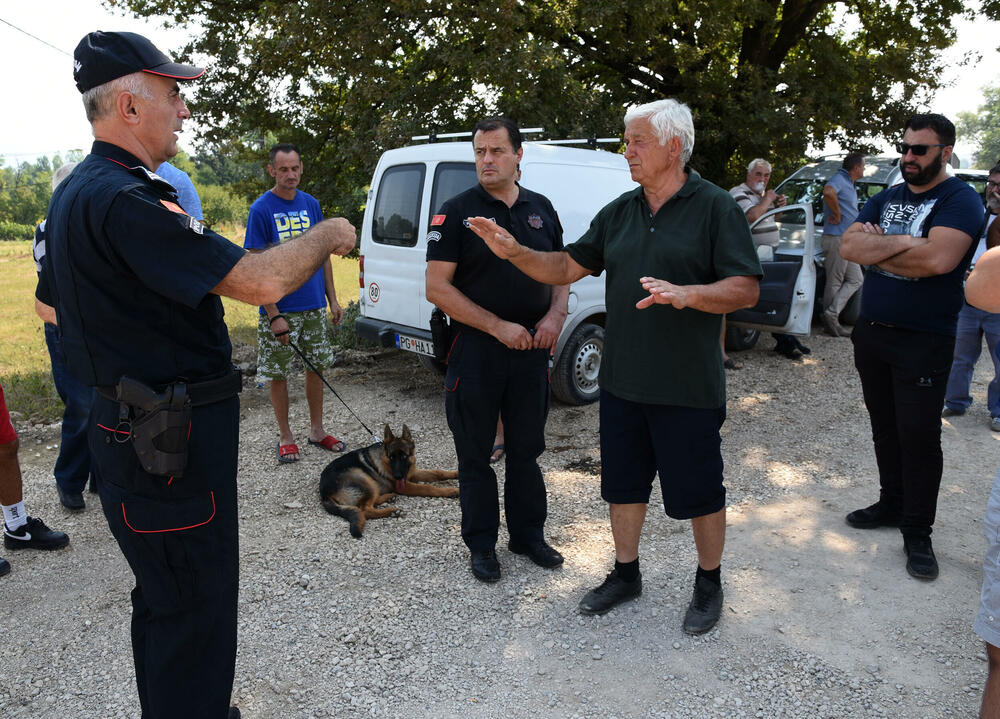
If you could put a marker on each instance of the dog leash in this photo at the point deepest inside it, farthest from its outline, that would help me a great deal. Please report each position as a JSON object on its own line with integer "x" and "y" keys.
{"x": 320, "y": 375}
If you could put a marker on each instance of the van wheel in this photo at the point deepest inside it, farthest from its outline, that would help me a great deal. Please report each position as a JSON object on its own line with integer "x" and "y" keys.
{"x": 739, "y": 338}
{"x": 433, "y": 364}
{"x": 574, "y": 379}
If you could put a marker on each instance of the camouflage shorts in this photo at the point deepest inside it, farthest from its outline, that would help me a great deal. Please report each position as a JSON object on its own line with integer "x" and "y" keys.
{"x": 309, "y": 331}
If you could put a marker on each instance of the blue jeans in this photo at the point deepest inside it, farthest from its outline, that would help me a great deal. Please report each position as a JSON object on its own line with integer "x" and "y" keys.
{"x": 973, "y": 323}
{"x": 73, "y": 465}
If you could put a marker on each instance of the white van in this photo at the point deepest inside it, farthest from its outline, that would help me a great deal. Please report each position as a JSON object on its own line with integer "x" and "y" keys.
{"x": 410, "y": 185}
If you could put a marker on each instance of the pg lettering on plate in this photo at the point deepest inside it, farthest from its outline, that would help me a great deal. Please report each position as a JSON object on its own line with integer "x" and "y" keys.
{"x": 290, "y": 224}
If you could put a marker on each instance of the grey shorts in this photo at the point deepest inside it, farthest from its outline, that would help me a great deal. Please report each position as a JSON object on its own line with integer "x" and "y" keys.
{"x": 987, "y": 624}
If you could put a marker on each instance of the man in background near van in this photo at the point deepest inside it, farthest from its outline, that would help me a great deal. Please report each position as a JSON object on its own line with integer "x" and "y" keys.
{"x": 973, "y": 325}
{"x": 917, "y": 239}
{"x": 843, "y": 278}
{"x": 72, "y": 469}
{"x": 504, "y": 327}
{"x": 755, "y": 199}
{"x": 663, "y": 387}
{"x": 281, "y": 213}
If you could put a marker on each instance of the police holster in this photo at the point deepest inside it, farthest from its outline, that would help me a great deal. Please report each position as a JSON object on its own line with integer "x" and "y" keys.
{"x": 440, "y": 334}
{"x": 161, "y": 423}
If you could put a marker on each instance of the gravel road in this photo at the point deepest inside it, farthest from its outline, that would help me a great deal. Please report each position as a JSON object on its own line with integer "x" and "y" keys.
{"x": 820, "y": 620}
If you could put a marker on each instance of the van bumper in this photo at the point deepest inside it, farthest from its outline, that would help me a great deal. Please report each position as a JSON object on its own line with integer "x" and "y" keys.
{"x": 384, "y": 333}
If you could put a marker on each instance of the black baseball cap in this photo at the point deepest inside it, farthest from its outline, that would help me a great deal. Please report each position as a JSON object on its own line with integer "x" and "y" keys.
{"x": 105, "y": 56}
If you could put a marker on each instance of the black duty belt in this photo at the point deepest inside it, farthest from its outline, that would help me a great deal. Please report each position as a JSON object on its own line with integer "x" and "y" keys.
{"x": 200, "y": 393}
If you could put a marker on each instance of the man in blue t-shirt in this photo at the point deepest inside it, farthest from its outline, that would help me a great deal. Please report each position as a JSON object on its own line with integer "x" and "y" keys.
{"x": 281, "y": 213}
{"x": 843, "y": 278}
{"x": 917, "y": 239}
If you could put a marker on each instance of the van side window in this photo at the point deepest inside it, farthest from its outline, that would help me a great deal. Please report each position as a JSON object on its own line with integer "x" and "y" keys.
{"x": 451, "y": 178}
{"x": 397, "y": 207}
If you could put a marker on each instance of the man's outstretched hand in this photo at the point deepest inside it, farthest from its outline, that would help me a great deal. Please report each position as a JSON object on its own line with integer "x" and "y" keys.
{"x": 499, "y": 240}
{"x": 662, "y": 292}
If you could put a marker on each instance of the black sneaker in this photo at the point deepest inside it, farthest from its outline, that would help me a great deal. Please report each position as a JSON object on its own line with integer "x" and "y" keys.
{"x": 540, "y": 552}
{"x": 234, "y": 713}
{"x": 920, "y": 560}
{"x": 705, "y": 608}
{"x": 73, "y": 501}
{"x": 612, "y": 592}
{"x": 949, "y": 412}
{"x": 4, "y": 567}
{"x": 485, "y": 566}
{"x": 873, "y": 517}
{"x": 34, "y": 535}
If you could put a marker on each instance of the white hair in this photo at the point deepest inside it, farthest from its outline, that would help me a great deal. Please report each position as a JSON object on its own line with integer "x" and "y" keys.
{"x": 669, "y": 118}
{"x": 61, "y": 173}
{"x": 758, "y": 161}
{"x": 99, "y": 101}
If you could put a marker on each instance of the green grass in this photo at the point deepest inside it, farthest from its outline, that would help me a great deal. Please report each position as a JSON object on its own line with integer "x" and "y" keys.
{"x": 24, "y": 361}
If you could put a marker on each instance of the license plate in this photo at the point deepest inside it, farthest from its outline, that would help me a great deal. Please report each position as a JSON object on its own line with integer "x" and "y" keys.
{"x": 415, "y": 344}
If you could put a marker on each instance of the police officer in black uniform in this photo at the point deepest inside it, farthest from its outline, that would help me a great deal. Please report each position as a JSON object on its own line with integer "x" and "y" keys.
{"x": 136, "y": 284}
{"x": 504, "y": 328}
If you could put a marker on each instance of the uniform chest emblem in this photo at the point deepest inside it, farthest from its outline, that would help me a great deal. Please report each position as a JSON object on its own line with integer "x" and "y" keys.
{"x": 535, "y": 222}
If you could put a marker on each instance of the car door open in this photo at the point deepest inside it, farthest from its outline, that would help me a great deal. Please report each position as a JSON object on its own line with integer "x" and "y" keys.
{"x": 788, "y": 288}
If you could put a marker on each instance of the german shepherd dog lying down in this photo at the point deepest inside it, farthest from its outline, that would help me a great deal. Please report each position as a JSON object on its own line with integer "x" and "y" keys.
{"x": 354, "y": 485}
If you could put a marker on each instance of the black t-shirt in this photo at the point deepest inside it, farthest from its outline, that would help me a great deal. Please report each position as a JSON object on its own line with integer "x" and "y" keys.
{"x": 495, "y": 284}
{"x": 130, "y": 275}
{"x": 926, "y": 304}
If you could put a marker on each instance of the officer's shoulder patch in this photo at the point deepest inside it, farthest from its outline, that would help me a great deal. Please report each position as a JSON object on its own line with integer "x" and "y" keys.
{"x": 433, "y": 236}
{"x": 173, "y": 207}
{"x": 195, "y": 226}
{"x": 437, "y": 220}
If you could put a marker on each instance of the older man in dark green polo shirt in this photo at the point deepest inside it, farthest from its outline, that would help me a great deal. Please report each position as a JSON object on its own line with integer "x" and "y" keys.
{"x": 678, "y": 255}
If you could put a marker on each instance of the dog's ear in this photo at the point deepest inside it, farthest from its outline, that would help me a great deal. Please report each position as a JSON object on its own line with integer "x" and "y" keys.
{"x": 388, "y": 436}
{"x": 406, "y": 434}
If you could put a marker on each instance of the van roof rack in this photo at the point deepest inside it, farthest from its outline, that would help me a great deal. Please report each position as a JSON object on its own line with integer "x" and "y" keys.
{"x": 591, "y": 142}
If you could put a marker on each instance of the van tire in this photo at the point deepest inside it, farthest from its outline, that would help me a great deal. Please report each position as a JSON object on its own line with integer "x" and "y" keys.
{"x": 433, "y": 364}
{"x": 740, "y": 338}
{"x": 574, "y": 379}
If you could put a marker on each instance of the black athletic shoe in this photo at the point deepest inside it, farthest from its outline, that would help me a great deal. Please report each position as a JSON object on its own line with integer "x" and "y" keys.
{"x": 540, "y": 552}
{"x": 73, "y": 501}
{"x": 34, "y": 535}
{"x": 920, "y": 560}
{"x": 234, "y": 713}
{"x": 612, "y": 592}
{"x": 873, "y": 517}
{"x": 705, "y": 608}
{"x": 485, "y": 566}
{"x": 801, "y": 347}
{"x": 4, "y": 567}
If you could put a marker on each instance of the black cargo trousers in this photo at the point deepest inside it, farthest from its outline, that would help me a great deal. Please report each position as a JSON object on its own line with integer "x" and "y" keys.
{"x": 904, "y": 375}
{"x": 180, "y": 539}
{"x": 485, "y": 380}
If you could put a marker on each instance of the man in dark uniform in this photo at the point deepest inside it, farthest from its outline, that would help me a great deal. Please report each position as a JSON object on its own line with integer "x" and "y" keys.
{"x": 504, "y": 328}
{"x": 136, "y": 284}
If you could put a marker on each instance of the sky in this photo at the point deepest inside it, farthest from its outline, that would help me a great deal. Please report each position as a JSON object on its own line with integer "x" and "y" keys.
{"x": 44, "y": 114}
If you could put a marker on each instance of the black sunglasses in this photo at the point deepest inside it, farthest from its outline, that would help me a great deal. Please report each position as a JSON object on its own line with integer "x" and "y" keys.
{"x": 903, "y": 147}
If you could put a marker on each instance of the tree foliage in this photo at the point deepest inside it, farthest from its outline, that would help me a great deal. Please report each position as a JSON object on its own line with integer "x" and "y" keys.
{"x": 982, "y": 128}
{"x": 25, "y": 189}
{"x": 346, "y": 80}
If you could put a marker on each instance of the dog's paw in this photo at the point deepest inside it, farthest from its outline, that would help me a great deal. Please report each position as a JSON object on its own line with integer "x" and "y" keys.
{"x": 397, "y": 513}
{"x": 453, "y": 492}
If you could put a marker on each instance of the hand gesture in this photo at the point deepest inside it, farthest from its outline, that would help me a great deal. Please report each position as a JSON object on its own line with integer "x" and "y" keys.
{"x": 341, "y": 233}
{"x": 513, "y": 335}
{"x": 336, "y": 311}
{"x": 546, "y": 333}
{"x": 280, "y": 329}
{"x": 662, "y": 292}
{"x": 500, "y": 242}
